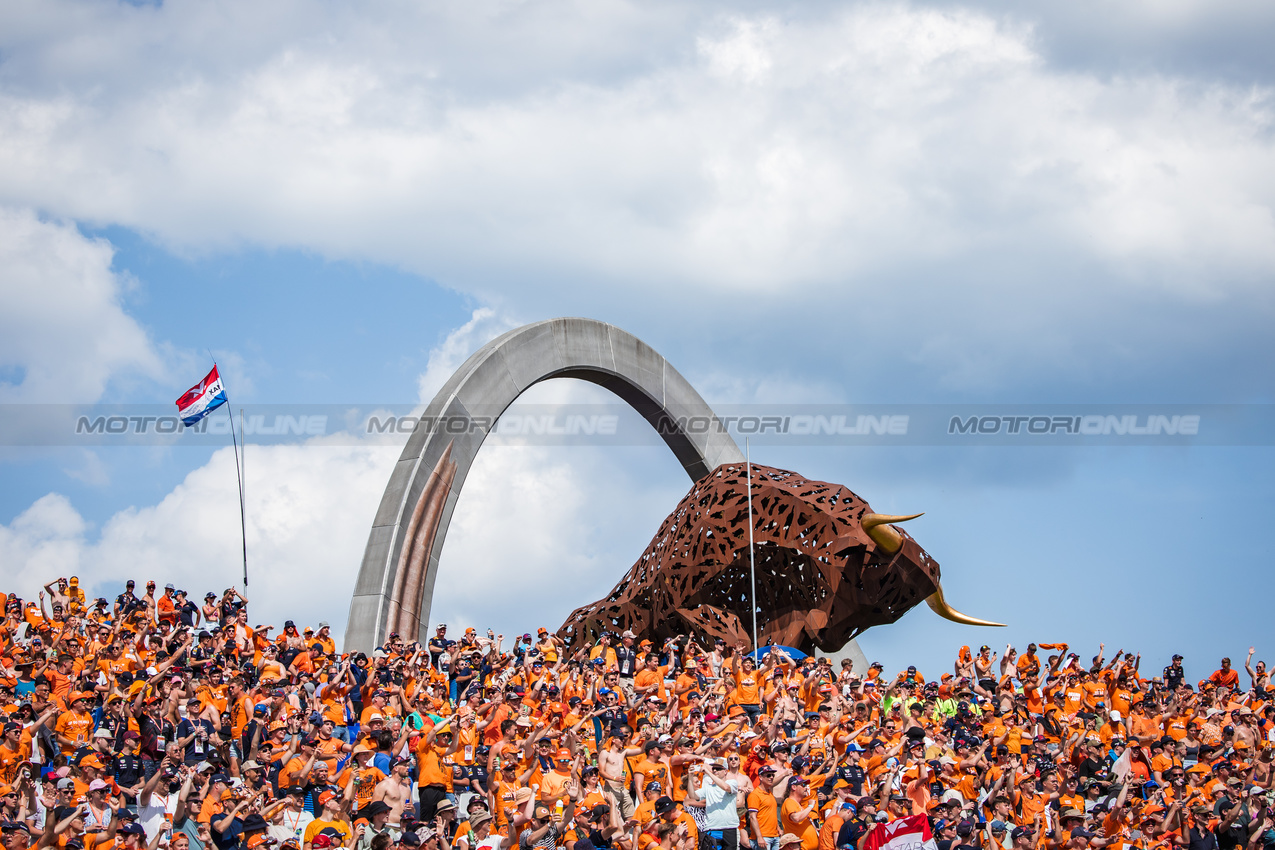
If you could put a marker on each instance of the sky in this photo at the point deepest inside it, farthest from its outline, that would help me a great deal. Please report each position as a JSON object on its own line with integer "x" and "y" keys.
{"x": 911, "y": 204}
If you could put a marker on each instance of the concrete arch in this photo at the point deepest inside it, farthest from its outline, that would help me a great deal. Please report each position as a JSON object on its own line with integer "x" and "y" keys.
{"x": 400, "y": 564}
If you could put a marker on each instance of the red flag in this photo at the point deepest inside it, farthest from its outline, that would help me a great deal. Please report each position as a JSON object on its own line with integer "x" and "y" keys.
{"x": 910, "y": 833}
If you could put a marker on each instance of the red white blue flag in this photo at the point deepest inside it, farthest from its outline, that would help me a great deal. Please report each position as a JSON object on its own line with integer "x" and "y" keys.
{"x": 201, "y": 399}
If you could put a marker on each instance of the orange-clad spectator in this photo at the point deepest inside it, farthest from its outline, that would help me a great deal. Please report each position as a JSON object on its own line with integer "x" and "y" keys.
{"x": 548, "y": 645}
{"x": 653, "y": 767}
{"x": 323, "y": 637}
{"x": 59, "y": 677}
{"x": 748, "y": 680}
{"x": 795, "y": 813}
{"x": 604, "y": 651}
{"x": 1225, "y": 677}
{"x": 213, "y": 804}
{"x": 328, "y": 822}
{"x": 166, "y": 606}
{"x": 270, "y": 669}
{"x": 1094, "y": 690}
{"x": 75, "y": 601}
{"x": 75, "y": 726}
{"x": 434, "y": 781}
{"x": 1113, "y": 727}
{"x": 330, "y": 748}
{"x": 364, "y": 775}
{"x": 555, "y": 783}
{"x": 649, "y": 680}
{"x": 1028, "y": 663}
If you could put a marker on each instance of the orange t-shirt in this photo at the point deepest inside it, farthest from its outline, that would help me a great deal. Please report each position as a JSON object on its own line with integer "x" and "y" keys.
{"x": 766, "y": 810}
{"x": 75, "y": 727}
{"x": 805, "y": 829}
{"x": 747, "y": 687}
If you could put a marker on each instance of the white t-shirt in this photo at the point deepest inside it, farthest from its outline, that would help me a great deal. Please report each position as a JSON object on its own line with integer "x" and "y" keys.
{"x": 719, "y": 805}
{"x": 157, "y": 814}
{"x": 290, "y": 825}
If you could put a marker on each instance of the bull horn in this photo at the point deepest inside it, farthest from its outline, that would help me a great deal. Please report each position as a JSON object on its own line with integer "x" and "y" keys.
{"x": 936, "y": 601}
{"x": 878, "y": 528}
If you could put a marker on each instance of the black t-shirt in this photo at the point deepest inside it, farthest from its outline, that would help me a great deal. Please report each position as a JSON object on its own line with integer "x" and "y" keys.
{"x": 1237, "y": 834}
{"x": 613, "y": 720}
{"x": 187, "y": 614}
{"x": 202, "y": 653}
{"x": 128, "y": 770}
{"x": 854, "y": 775}
{"x": 437, "y": 646}
{"x": 1201, "y": 839}
{"x": 198, "y": 749}
{"x": 154, "y": 736}
{"x": 478, "y": 774}
{"x": 462, "y": 672}
{"x": 1091, "y": 768}
{"x": 230, "y": 838}
{"x": 850, "y": 833}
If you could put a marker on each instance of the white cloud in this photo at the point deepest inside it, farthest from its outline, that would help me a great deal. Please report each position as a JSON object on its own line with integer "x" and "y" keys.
{"x": 540, "y": 531}
{"x": 483, "y": 326}
{"x": 91, "y": 470}
{"x": 309, "y": 510}
{"x": 794, "y": 155}
{"x": 63, "y": 330}
{"x": 41, "y": 544}
{"x": 743, "y": 54}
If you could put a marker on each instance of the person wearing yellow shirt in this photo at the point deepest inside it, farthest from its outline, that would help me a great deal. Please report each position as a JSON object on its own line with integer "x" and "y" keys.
{"x": 330, "y": 818}
{"x": 548, "y": 645}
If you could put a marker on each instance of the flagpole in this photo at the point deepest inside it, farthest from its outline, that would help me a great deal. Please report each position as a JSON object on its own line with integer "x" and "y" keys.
{"x": 243, "y": 524}
{"x": 243, "y": 499}
{"x": 243, "y": 529}
{"x": 752, "y": 564}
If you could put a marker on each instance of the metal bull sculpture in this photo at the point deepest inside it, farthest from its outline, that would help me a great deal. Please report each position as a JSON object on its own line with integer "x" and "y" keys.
{"x": 827, "y": 568}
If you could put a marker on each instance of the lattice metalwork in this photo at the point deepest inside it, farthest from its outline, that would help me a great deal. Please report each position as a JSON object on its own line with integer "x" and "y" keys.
{"x": 821, "y": 578}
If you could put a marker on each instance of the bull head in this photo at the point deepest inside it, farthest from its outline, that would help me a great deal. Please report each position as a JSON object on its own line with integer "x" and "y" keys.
{"x": 880, "y": 528}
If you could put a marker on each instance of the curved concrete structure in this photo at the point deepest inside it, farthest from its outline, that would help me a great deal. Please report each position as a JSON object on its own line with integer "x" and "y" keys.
{"x": 396, "y": 581}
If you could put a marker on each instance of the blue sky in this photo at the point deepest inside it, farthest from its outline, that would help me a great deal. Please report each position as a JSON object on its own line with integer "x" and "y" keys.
{"x": 900, "y": 203}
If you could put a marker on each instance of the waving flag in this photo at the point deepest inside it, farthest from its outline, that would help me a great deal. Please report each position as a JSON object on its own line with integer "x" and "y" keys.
{"x": 201, "y": 399}
{"x": 910, "y": 833}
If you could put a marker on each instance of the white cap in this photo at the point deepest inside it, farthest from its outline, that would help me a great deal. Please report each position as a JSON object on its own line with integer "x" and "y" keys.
{"x": 1115, "y": 715}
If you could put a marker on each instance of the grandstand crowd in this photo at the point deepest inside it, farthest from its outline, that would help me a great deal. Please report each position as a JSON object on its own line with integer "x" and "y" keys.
{"x": 157, "y": 720}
